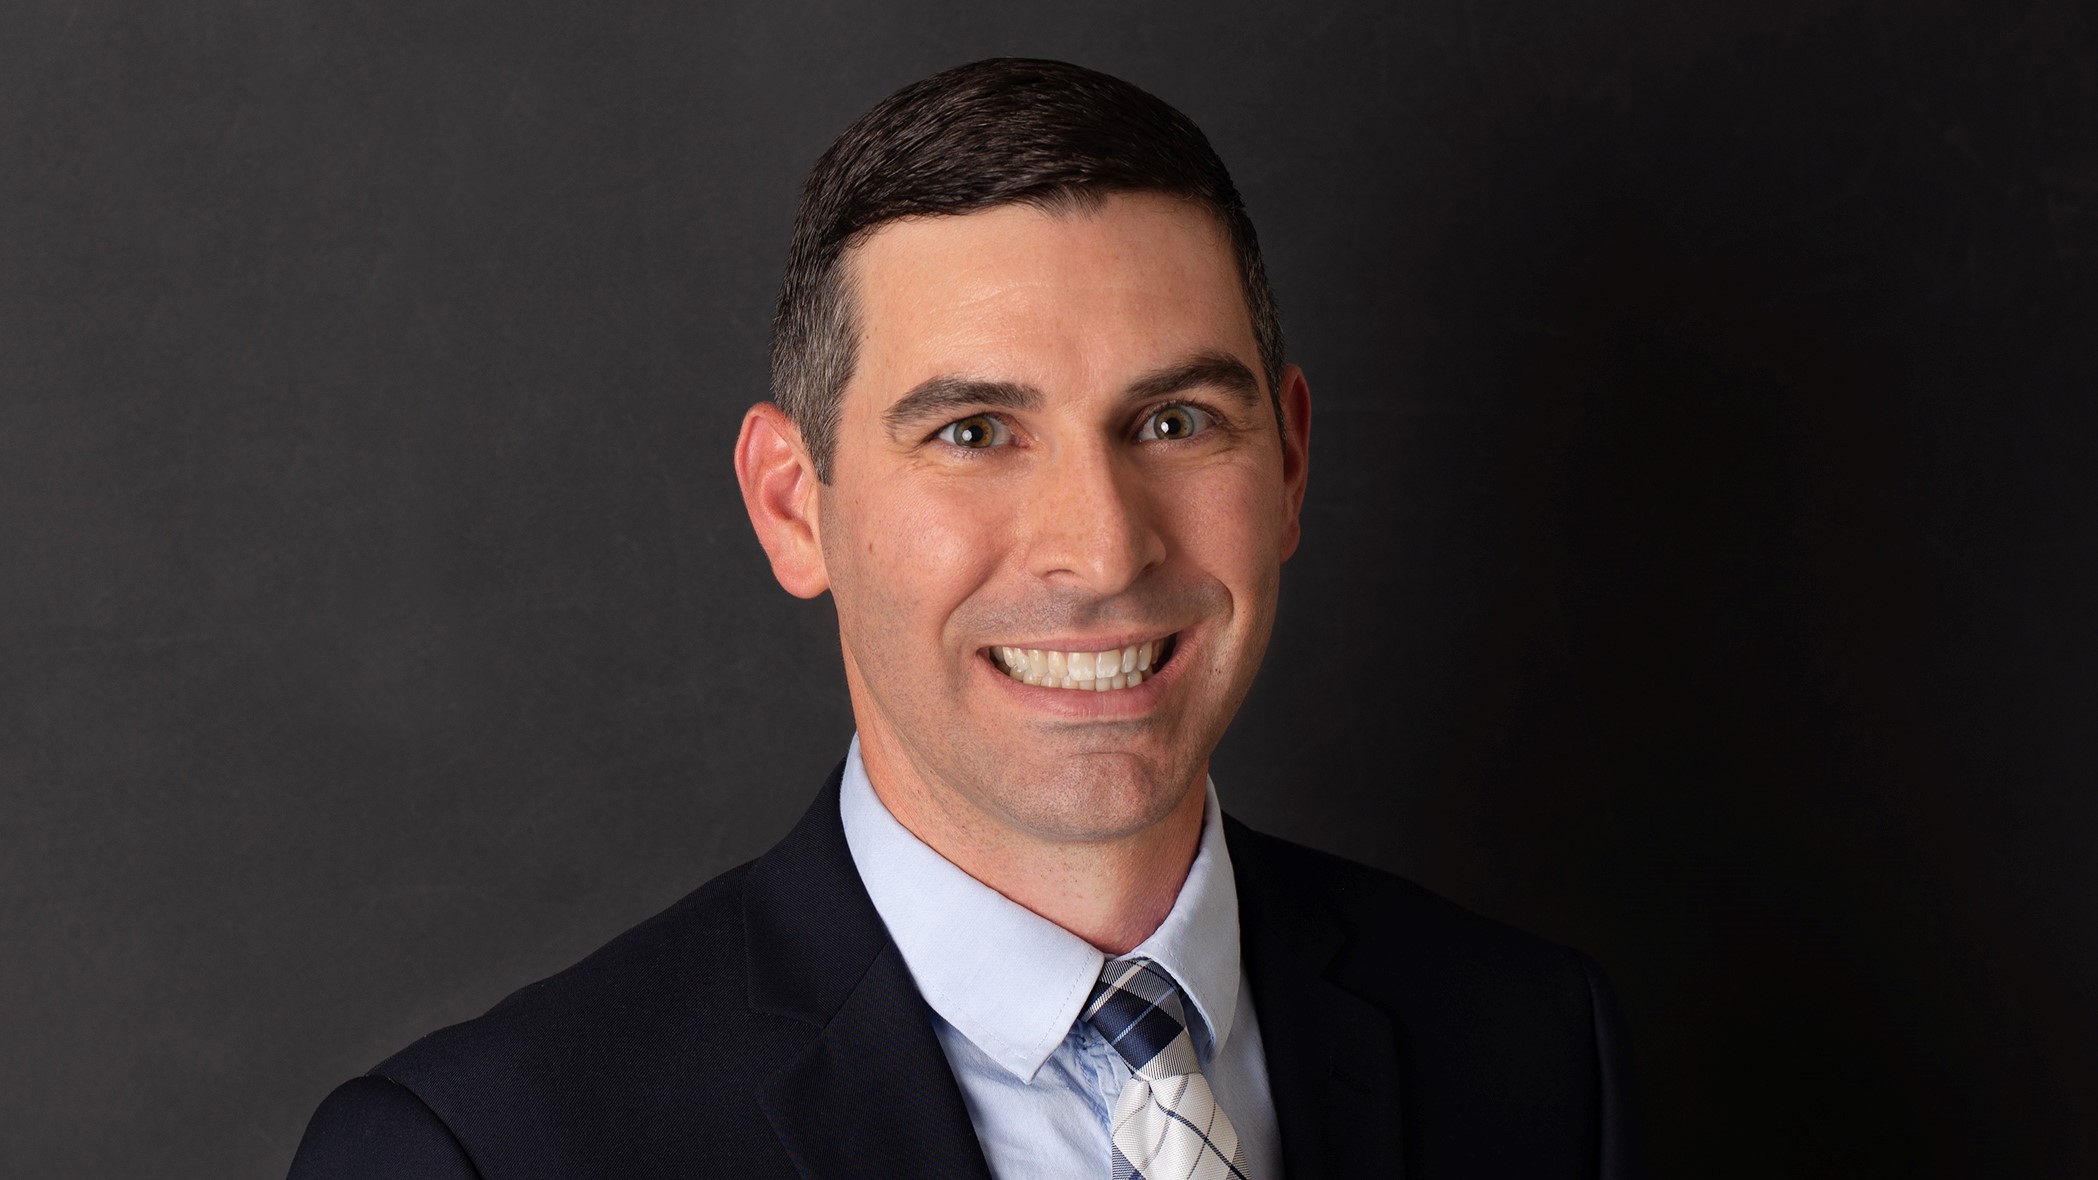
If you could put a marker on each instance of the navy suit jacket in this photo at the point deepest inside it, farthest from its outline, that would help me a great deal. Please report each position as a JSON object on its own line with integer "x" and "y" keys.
{"x": 766, "y": 1026}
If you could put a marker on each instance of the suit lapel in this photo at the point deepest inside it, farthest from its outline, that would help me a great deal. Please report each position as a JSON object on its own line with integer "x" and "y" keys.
{"x": 871, "y": 1093}
{"x": 1332, "y": 1063}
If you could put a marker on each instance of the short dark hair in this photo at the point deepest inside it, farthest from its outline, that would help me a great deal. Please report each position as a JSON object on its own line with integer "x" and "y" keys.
{"x": 1005, "y": 131}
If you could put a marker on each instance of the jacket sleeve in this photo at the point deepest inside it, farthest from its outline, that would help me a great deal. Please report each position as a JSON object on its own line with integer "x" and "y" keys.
{"x": 371, "y": 1128}
{"x": 1621, "y": 1150}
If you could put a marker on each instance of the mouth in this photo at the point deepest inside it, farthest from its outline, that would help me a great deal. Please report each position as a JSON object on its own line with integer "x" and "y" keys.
{"x": 1085, "y": 671}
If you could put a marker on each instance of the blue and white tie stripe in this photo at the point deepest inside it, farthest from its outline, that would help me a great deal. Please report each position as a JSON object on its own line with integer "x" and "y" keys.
{"x": 1167, "y": 1125}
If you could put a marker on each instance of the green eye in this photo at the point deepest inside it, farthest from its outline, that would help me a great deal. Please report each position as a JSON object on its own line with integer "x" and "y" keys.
{"x": 975, "y": 433}
{"x": 1175, "y": 422}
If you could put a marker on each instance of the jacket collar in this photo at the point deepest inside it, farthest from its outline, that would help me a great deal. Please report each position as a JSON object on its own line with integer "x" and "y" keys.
{"x": 871, "y": 1094}
{"x": 1332, "y": 1060}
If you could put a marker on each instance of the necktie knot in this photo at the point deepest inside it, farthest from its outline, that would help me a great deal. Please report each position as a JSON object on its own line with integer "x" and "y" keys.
{"x": 1166, "y": 1124}
{"x": 1136, "y": 1007}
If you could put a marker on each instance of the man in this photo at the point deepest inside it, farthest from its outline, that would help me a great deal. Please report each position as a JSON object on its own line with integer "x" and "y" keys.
{"x": 1035, "y": 437}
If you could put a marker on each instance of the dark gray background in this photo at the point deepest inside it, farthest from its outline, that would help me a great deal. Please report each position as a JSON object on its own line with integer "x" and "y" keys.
{"x": 1698, "y": 567}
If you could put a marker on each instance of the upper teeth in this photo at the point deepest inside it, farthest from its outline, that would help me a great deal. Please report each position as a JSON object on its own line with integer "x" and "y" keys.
{"x": 1096, "y": 671}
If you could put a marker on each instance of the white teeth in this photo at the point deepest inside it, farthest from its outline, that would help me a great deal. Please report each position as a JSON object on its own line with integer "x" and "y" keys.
{"x": 1084, "y": 671}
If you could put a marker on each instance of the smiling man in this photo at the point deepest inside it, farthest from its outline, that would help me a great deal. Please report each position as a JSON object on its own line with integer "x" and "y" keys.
{"x": 1034, "y": 436}
{"x": 1056, "y": 508}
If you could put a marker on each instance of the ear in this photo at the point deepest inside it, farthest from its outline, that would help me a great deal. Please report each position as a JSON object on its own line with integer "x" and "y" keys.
{"x": 780, "y": 492}
{"x": 1295, "y": 399}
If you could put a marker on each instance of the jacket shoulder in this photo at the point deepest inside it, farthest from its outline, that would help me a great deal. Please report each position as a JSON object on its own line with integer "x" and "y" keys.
{"x": 1506, "y": 1042}
{"x": 1430, "y": 962}
{"x": 371, "y": 1127}
{"x": 645, "y": 1030}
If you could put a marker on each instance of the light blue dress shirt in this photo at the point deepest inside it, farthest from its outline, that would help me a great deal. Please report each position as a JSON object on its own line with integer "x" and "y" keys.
{"x": 1006, "y": 986}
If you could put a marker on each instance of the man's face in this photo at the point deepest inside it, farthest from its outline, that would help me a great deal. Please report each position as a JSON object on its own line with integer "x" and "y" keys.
{"x": 1055, "y": 441}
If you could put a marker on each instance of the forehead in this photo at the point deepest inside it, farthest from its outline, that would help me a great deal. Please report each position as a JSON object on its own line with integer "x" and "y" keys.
{"x": 1069, "y": 300}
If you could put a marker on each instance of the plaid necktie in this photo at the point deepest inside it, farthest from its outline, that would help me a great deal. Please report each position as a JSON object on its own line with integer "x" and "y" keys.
{"x": 1167, "y": 1125}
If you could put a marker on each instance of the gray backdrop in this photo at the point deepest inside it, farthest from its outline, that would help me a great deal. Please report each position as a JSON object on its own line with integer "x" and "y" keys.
{"x": 1698, "y": 567}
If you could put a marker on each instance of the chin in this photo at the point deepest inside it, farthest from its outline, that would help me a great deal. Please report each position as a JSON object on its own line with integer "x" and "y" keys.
{"x": 1096, "y": 797}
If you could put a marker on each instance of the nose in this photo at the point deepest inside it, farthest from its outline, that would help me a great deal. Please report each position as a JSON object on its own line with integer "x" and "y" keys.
{"x": 1093, "y": 522}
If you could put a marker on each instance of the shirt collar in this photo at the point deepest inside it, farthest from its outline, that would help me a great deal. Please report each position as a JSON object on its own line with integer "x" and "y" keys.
{"x": 1009, "y": 980}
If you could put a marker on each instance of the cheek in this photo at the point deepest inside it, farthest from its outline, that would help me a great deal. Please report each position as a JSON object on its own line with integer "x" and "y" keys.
{"x": 915, "y": 555}
{"x": 1233, "y": 527}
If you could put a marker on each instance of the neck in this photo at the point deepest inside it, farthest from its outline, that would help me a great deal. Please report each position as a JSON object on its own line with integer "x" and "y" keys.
{"x": 1112, "y": 892}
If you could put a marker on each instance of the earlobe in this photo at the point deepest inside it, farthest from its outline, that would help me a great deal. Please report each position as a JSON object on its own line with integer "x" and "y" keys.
{"x": 780, "y": 491}
{"x": 1295, "y": 396}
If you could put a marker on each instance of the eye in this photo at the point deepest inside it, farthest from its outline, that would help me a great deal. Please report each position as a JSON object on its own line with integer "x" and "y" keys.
{"x": 1175, "y": 422}
{"x": 976, "y": 432}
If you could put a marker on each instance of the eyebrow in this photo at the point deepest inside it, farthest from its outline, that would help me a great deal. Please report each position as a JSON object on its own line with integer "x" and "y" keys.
{"x": 1204, "y": 370}
{"x": 939, "y": 397}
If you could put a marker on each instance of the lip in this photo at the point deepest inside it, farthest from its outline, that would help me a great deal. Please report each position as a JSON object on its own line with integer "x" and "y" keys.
{"x": 1116, "y": 704}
